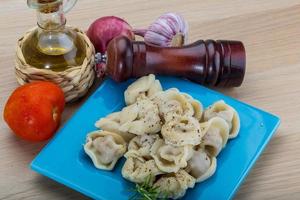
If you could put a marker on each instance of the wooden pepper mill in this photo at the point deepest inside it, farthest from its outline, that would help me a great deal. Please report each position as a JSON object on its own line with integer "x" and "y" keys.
{"x": 211, "y": 63}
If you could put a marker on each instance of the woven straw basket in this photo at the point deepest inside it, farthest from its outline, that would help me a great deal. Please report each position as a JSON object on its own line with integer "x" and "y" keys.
{"x": 75, "y": 81}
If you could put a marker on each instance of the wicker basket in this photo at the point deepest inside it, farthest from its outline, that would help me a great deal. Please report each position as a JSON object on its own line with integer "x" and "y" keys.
{"x": 74, "y": 81}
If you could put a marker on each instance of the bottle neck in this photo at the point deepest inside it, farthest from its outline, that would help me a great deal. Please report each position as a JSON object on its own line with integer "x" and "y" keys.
{"x": 51, "y": 17}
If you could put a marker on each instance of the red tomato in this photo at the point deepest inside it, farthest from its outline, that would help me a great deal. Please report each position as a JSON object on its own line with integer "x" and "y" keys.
{"x": 33, "y": 111}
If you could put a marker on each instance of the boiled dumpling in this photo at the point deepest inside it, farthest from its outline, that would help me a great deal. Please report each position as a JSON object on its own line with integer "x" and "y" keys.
{"x": 228, "y": 113}
{"x": 182, "y": 130}
{"x": 137, "y": 170}
{"x": 142, "y": 144}
{"x": 112, "y": 123}
{"x": 138, "y": 118}
{"x": 104, "y": 148}
{"x": 169, "y": 158}
{"x": 171, "y": 103}
{"x": 216, "y": 132}
{"x": 197, "y": 106}
{"x": 174, "y": 185}
{"x": 172, "y": 141}
{"x": 201, "y": 166}
{"x": 154, "y": 88}
{"x": 129, "y": 114}
{"x": 147, "y": 118}
{"x": 145, "y": 86}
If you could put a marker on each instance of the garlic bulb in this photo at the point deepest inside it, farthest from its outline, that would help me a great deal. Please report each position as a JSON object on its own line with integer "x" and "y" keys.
{"x": 169, "y": 29}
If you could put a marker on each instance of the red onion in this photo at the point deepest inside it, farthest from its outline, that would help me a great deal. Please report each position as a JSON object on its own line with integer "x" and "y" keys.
{"x": 104, "y": 29}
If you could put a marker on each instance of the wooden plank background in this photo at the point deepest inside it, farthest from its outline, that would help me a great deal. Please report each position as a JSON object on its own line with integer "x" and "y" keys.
{"x": 270, "y": 30}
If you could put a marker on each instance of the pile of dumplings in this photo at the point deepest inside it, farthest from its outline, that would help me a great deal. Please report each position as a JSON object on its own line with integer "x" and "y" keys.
{"x": 163, "y": 134}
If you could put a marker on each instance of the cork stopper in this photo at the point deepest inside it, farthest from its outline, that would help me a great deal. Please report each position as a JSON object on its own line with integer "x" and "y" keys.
{"x": 49, "y": 6}
{"x": 45, "y": 6}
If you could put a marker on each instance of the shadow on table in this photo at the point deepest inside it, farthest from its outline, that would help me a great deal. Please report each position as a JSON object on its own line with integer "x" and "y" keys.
{"x": 56, "y": 190}
{"x": 262, "y": 166}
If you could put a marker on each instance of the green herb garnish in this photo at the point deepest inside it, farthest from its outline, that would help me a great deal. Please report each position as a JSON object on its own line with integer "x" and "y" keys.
{"x": 146, "y": 191}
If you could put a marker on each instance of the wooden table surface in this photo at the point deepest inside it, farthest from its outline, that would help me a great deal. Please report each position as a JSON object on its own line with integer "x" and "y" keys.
{"x": 270, "y": 30}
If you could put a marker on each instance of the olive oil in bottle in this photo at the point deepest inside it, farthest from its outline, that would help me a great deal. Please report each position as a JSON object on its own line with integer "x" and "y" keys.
{"x": 52, "y": 45}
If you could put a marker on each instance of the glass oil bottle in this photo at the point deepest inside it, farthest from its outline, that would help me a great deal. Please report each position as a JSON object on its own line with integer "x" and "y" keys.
{"x": 52, "y": 45}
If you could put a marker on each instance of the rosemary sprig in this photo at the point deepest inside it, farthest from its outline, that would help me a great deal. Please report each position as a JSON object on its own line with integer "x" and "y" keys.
{"x": 146, "y": 191}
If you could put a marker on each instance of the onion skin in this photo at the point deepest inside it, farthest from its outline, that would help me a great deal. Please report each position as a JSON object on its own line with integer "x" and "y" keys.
{"x": 104, "y": 29}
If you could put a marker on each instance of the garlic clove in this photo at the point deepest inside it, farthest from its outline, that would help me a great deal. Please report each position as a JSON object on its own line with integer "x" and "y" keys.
{"x": 177, "y": 40}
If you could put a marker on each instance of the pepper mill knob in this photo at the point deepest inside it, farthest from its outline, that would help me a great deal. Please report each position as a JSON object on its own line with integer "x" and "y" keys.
{"x": 211, "y": 63}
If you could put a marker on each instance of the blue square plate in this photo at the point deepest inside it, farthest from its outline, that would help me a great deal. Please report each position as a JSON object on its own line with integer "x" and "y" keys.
{"x": 64, "y": 160}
